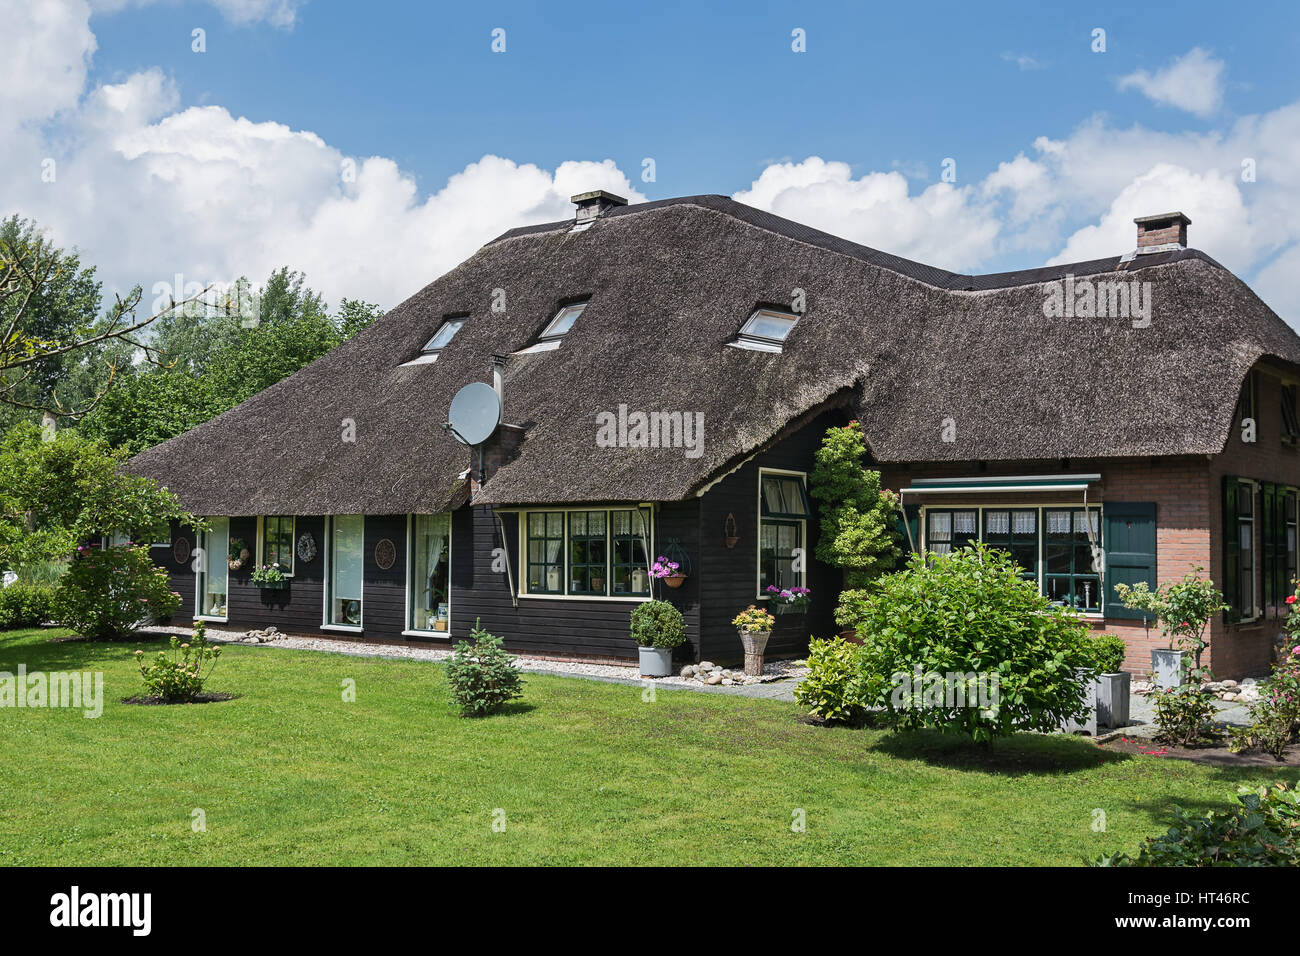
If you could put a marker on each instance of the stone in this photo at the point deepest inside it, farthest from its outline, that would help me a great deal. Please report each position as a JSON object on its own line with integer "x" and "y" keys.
{"x": 1228, "y": 684}
{"x": 706, "y": 666}
{"x": 727, "y": 682}
{"x": 272, "y": 630}
{"x": 688, "y": 670}
{"x": 1248, "y": 682}
{"x": 1230, "y": 696}
{"x": 714, "y": 679}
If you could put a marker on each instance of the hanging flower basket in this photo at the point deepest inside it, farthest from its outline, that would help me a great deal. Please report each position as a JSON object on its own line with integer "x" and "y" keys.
{"x": 788, "y": 600}
{"x": 780, "y": 609}
{"x": 675, "y": 580}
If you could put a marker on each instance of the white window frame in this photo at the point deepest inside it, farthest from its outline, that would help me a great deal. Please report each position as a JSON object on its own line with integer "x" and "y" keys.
{"x": 923, "y": 533}
{"x": 549, "y": 341}
{"x": 200, "y": 577}
{"x": 410, "y": 630}
{"x": 1255, "y": 595}
{"x": 293, "y": 542}
{"x": 328, "y": 590}
{"x": 758, "y": 544}
{"x": 521, "y": 534}
{"x": 764, "y": 343}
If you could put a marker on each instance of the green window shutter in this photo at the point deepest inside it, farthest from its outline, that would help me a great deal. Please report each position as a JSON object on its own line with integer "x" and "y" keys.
{"x": 1130, "y": 538}
{"x": 1231, "y": 550}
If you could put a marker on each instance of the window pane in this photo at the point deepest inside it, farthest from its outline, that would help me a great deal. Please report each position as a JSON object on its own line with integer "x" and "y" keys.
{"x": 444, "y": 335}
{"x": 997, "y": 522}
{"x": 940, "y": 526}
{"x": 430, "y": 573}
{"x": 564, "y": 321}
{"x": 347, "y": 543}
{"x": 769, "y": 325}
{"x": 212, "y": 589}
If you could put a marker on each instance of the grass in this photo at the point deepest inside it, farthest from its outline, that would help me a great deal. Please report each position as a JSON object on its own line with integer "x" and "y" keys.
{"x": 585, "y": 772}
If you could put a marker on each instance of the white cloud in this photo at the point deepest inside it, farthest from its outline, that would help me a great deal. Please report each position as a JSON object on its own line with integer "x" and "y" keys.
{"x": 1023, "y": 60}
{"x": 1192, "y": 82}
{"x": 278, "y": 13}
{"x": 45, "y": 49}
{"x": 943, "y": 225}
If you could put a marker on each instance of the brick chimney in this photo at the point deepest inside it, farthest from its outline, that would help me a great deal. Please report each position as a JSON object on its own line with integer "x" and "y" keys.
{"x": 592, "y": 205}
{"x": 1164, "y": 233}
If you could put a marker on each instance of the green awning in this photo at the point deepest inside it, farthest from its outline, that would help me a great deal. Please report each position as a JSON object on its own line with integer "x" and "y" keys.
{"x": 993, "y": 485}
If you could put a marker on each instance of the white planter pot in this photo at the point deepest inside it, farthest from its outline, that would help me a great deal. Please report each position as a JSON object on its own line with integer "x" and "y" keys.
{"x": 1113, "y": 700}
{"x": 656, "y": 661}
{"x": 1089, "y": 723}
{"x": 755, "y": 643}
{"x": 1167, "y": 668}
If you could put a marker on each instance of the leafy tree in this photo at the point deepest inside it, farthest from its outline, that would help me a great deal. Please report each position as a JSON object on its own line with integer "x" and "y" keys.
{"x": 58, "y": 493}
{"x": 56, "y": 355}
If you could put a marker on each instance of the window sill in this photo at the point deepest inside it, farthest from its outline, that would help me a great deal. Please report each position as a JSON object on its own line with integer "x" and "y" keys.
{"x": 583, "y": 597}
{"x": 211, "y": 619}
{"x": 343, "y": 628}
{"x": 442, "y": 635}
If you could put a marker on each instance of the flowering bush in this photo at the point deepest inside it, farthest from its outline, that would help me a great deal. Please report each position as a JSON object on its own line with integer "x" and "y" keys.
{"x": 107, "y": 593}
{"x": 1183, "y": 610}
{"x": 179, "y": 678}
{"x": 268, "y": 574}
{"x": 791, "y": 597}
{"x": 1184, "y": 714}
{"x": 25, "y": 605}
{"x": 754, "y": 620}
{"x": 663, "y": 568}
{"x": 1275, "y": 717}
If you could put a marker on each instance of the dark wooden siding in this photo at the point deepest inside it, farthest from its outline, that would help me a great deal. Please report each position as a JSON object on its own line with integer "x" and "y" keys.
{"x": 576, "y": 628}
{"x": 729, "y": 576}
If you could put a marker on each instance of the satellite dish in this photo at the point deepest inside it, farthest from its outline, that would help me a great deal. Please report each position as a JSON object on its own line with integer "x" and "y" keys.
{"x": 475, "y": 413}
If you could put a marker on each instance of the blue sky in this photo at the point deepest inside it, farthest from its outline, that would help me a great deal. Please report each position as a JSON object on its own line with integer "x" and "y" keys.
{"x": 1055, "y": 149}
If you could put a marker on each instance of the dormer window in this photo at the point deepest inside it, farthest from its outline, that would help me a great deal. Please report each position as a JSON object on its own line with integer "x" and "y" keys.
{"x": 765, "y": 331}
{"x": 556, "y": 328}
{"x": 433, "y": 348}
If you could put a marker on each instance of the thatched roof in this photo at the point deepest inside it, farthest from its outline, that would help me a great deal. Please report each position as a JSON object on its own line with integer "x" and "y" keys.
{"x": 670, "y": 283}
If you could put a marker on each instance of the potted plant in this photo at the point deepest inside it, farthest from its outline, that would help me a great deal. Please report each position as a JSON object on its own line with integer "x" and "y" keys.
{"x": 755, "y": 627}
{"x": 1183, "y": 610}
{"x": 270, "y": 577}
{"x": 670, "y": 572}
{"x": 793, "y": 600}
{"x": 657, "y": 627}
{"x": 1112, "y": 684}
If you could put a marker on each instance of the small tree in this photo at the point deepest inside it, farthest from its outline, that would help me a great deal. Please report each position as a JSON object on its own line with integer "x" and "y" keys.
{"x": 1182, "y": 609}
{"x": 858, "y": 516}
{"x": 482, "y": 675}
{"x": 107, "y": 593}
{"x": 943, "y": 633}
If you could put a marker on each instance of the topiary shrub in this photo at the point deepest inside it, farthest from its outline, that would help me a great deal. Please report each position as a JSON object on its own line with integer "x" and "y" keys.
{"x": 1264, "y": 830}
{"x": 962, "y": 643}
{"x": 25, "y": 605}
{"x": 835, "y": 688}
{"x": 481, "y": 675}
{"x": 1107, "y": 652}
{"x": 657, "y": 624}
{"x": 105, "y": 594}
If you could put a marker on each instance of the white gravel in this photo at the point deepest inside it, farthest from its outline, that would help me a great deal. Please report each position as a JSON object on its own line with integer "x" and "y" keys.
{"x": 772, "y": 670}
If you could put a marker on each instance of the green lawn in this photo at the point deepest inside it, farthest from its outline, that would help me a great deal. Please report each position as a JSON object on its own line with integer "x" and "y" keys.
{"x": 586, "y": 772}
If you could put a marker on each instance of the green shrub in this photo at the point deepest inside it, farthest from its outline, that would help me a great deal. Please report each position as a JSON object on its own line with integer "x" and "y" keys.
{"x": 1264, "y": 830}
{"x": 1275, "y": 717}
{"x": 1107, "y": 653}
{"x": 971, "y": 615}
{"x": 481, "y": 675}
{"x": 107, "y": 593}
{"x": 835, "y": 688}
{"x": 657, "y": 624}
{"x": 25, "y": 605}
{"x": 852, "y": 607}
{"x": 178, "y": 678}
{"x": 1184, "y": 715}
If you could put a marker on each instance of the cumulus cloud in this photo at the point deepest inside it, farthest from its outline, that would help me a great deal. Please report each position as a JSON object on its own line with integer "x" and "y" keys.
{"x": 278, "y": 13}
{"x": 1192, "y": 82}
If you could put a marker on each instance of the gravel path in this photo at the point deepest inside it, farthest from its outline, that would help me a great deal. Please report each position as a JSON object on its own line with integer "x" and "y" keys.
{"x": 779, "y": 677}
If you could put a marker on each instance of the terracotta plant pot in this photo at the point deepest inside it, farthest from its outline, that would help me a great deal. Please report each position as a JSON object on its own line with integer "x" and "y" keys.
{"x": 675, "y": 580}
{"x": 755, "y": 643}
{"x": 850, "y": 635}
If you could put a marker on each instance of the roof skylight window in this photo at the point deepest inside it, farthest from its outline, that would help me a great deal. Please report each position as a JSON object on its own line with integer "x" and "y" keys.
{"x": 765, "y": 331}
{"x": 433, "y": 348}
{"x": 556, "y": 328}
